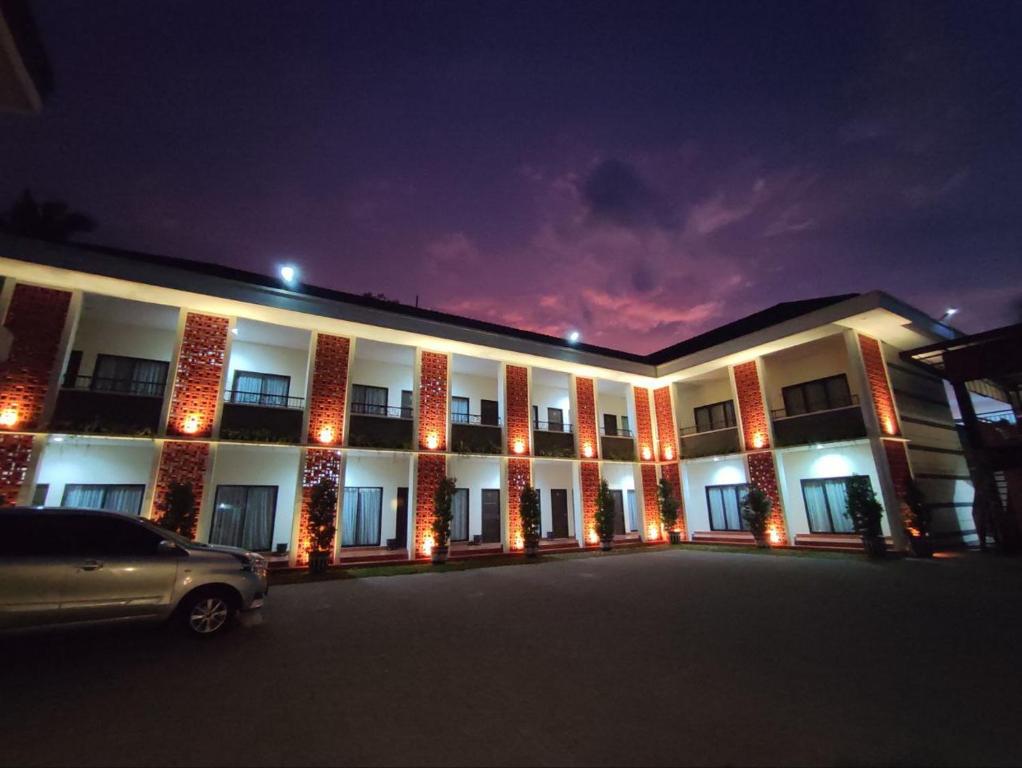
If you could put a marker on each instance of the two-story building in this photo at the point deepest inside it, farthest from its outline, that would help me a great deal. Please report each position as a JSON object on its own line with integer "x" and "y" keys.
{"x": 129, "y": 373}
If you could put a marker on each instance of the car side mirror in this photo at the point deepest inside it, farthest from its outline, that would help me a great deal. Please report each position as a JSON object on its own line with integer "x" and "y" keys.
{"x": 168, "y": 547}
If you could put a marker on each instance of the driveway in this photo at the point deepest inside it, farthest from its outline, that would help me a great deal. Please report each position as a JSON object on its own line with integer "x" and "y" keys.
{"x": 656, "y": 657}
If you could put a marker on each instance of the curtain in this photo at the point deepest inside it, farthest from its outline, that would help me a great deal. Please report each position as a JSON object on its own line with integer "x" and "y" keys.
{"x": 732, "y": 514}
{"x": 275, "y": 390}
{"x": 816, "y": 507}
{"x": 349, "y": 517}
{"x": 228, "y": 516}
{"x": 371, "y": 400}
{"x": 126, "y": 499}
{"x": 837, "y": 392}
{"x": 633, "y": 523}
{"x": 459, "y": 515}
{"x": 626, "y": 429}
{"x": 703, "y": 421}
{"x": 363, "y": 509}
{"x": 149, "y": 377}
{"x": 257, "y": 527}
{"x": 247, "y": 387}
{"x": 243, "y": 516}
{"x": 83, "y": 496}
{"x": 112, "y": 373}
{"x": 836, "y": 492}
{"x": 459, "y": 410}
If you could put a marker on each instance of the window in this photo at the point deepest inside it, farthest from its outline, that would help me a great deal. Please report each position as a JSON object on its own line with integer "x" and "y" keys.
{"x": 39, "y": 495}
{"x": 817, "y": 395}
{"x": 609, "y": 424}
{"x": 459, "y": 410}
{"x": 363, "y": 508}
{"x": 724, "y": 503}
{"x": 126, "y": 499}
{"x": 129, "y": 375}
{"x": 32, "y": 535}
{"x": 633, "y": 511}
{"x": 369, "y": 400}
{"x": 102, "y": 536}
{"x": 716, "y": 416}
{"x": 488, "y": 413}
{"x": 261, "y": 388}
{"x": 827, "y": 505}
{"x": 459, "y": 515}
{"x": 74, "y": 366}
{"x": 243, "y": 516}
{"x": 555, "y": 419}
{"x": 406, "y": 403}
{"x": 626, "y": 429}
{"x": 535, "y": 417}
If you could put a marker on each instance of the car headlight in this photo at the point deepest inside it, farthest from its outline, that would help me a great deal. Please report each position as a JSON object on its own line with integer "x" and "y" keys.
{"x": 253, "y": 562}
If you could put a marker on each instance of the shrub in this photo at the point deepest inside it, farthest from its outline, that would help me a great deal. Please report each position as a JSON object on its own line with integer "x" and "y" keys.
{"x": 917, "y": 512}
{"x": 669, "y": 505}
{"x": 756, "y": 507}
{"x": 443, "y": 499}
{"x": 179, "y": 510}
{"x": 604, "y": 512}
{"x": 864, "y": 509}
{"x": 323, "y": 515}
{"x": 528, "y": 509}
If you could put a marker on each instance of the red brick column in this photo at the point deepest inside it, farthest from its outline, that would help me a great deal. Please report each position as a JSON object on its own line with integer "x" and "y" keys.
{"x": 517, "y": 415}
{"x": 879, "y": 386}
{"x": 199, "y": 376}
{"x": 519, "y": 473}
{"x": 181, "y": 462}
{"x": 589, "y": 472}
{"x": 15, "y": 454}
{"x": 433, "y": 402}
{"x": 585, "y": 416}
{"x": 36, "y": 318}
{"x": 431, "y": 470}
{"x": 320, "y": 464}
{"x": 672, "y": 474}
{"x": 329, "y": 390}
{"x": 650, "y": 503}
{"x": 666, "y": 433}
{"x": 644, "y": 425}
{"x": 752, "y": 410}
{"x": 763, "y": 475}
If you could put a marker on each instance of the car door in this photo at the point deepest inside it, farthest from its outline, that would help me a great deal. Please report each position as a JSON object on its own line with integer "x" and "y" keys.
{"x": 34, "y": 567}
{"x": 117, "y": 570}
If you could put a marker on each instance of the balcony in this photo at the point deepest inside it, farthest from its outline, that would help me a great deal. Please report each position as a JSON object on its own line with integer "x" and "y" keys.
{"x": 101, "y": 405}
{"x": 711, "y": 442}
{"x": 474, "y": 433}
{"x": 999, "y": 429}
{"x": 825, "y": 426}
{"x": 261, "y": 418}
{"x": 380, "y": 426}
{"x": 554, "y": 439}
{"x": 617, "y": 444}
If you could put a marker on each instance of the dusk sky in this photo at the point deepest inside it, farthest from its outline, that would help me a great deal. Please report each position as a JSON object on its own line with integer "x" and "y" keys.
{"x": 639, "y": 171}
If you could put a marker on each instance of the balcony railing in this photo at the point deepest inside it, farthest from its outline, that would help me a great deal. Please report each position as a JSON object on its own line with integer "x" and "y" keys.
{"x": 383, "y": 411}
{"x": 998, "y": 429}
{"x": 715, "y": 426}
{"x": 842, "y": 422}
{"x": 240, "y": 397}
{"x": 782, "y": 413}
{"x": 552, "y": 426}
{"x": 115, "y": 385}
{"x": 474, "y": 418}
{"x": 616, "y": 432}
{"x": 696, "y": 444}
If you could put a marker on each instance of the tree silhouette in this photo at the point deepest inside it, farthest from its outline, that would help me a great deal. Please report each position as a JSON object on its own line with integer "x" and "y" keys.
{"x": 51, "y": 220}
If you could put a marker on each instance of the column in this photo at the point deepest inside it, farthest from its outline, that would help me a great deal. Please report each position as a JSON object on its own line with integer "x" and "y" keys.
{"x": 667, "y": 448}
{"x": 589, "y": 486}
{"x": 433, "y": 382}
{"x": 519, "y": 474}
{"x": 755, "y": 430}
{"x": 185, "y": 462}
{"x": 328, "y": 389}
{"x": 318, "y": 464}
{"x": 647, "y": 475}
{"x": 200, "y": 365}
{"x": 587, "y": 434}
{"x": 518, "y": 469}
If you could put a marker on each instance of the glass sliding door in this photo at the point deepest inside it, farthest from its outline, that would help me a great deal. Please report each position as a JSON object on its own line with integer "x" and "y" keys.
{"x": 363, "y": 511}
{"x": 126, "y": 499}
{"x": 243, "y": 516}
{"x": 724, "y": 503}
{"x": 459, "y": 515}
{"x": 827, "y": 505}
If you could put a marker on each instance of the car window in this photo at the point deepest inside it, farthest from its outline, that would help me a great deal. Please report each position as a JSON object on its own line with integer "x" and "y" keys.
{"x": 103, "y": 536}
{"x": 32, "y": 535}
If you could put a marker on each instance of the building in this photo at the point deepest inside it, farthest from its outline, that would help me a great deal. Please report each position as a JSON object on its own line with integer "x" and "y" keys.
{"x": 130, "y": 372}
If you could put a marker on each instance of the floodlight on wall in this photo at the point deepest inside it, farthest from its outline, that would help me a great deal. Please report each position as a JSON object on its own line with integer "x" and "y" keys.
{"x": 8, "y": 417}
{"x": 948, "y": 314}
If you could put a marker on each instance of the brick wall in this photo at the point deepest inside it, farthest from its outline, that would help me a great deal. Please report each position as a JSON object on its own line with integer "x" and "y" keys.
{"x": 644, "y": 425}
{"x": 589, "y": 471}
{"x": 879, "y": 387}
{"x": 319, "y": 464}
{"x": 431, "y": 470}
{"x": 517, "y": 415}
{"x": 585, "y": 405}
{"x": 433, "y": 402}
{"x": 650, "y": 503}
{"x": 180, "y": 462}
{"x": 36, "y": 319}
{"x": 666, "y": 434}
{"x": 901, "y": 473}
{"x": 763, "y": 475}
{"x": 752, "y": 410}
{"x": 199, "y": 377}
{"x": 519, "y": 473}
{"x": 329, "y": 390}
{"x": 673, "y": 476}
{"x": 15, "y": 454}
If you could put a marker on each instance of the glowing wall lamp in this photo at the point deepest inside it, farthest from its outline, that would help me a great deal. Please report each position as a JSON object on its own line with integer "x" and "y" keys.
{"x": 192, "y": 423}
{"x": 289, "y": 274}
{"x": 889, "y": 427}
{"x": 518, "y": 446}
{"x": 427, "y": 546}
{"x": 758, "y": 440}
{"x": 326, "y": 434}
{"x": 647, "y": 453}
{"x": 592, "y": 537}
{"x": 8, "y": 417}
{"x": 432, "y": 441}
{"x": 653, "y": 532}
{"x": 587, "y": 450}
{"x": 669, "y": 452}
{"x": 774, "y": 535}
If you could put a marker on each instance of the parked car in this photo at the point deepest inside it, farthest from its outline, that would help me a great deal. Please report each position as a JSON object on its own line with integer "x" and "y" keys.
{"x": 65, "y": 566}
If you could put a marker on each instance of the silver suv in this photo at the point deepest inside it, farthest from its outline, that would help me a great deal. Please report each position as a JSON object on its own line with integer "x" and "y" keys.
{"x": 62, "y": 566}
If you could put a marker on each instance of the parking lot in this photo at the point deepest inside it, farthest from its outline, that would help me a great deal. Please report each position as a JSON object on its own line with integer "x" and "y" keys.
{"x": 656, "y": 657}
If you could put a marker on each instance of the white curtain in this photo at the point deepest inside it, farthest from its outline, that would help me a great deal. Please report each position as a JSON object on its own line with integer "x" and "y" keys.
{"x": 83, "y": 496}
{"x": 126, "y": 499}
{"x": 244, "y": 516}
{"x": 149, "y": 377}
{"x": 459, "y": 515}
{"x": 816, "y": 508}
{"x": 837, "y": 499}
{"x": 633, "y": 522}
{"x": 363, "y": 508}
{"x": 459, "y": 410}
{"x": 228, "y": 516}
{"x": 275, "y": 390}
{"x": 247, "y": 387}
{"x": 725, "y": 507}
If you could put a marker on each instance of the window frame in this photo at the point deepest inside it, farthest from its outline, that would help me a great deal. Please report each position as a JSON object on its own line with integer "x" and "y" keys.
{"x": 364, "y": 409}
{"x": 709, "y": 512}
{"x": 379, "y": 523}
{"x": 801, "y": 387}
{"x": 273, "y": 519}
{"x": 286, "y": 397}
{"x": 461, "y": 418}
{"x": 106, "y": 487}
{"x": 100, "y": 356}
{"x": 730, "y": 419}
{"x": 830, "y": 514}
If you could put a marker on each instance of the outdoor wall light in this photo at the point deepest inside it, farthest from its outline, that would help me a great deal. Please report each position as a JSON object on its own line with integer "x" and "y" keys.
{"x": 518, "y": 446}
{"x": 758, "y": 441}
{"x": 8, "y": 417}
{"x": 647, "y": 454}
{"x": 427, "y": 546}
{"x": 432, "y": 441}
{"x": 652, "y": 532}
{"x": 593, "y": 538}
{"x": 587, "y": 450}
{"x": 192, "y": 423}
{"x": 326, "y": 434}
{"x": 668, "y": 452}
{"x": 774, "y": 535}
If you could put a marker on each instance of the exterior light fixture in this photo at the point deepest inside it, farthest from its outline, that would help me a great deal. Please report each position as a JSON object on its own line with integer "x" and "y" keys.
{"x": 774, "y": 535}
{"x": 8, "y": 417}
{"x": 573, "y": 337}
{"x": 234, "y": 330}
{"x": 647, "y": 454}
{"x": 669, "y": 452}
{"x": 326, "y": 434}
{"x": 758, "y": 441}
{"x": 948, "y": 314}
{"x": 889, "y": 425}
{"x": 593, "y": 538}
{"x": 192, "y": 423}
{"x": 519, "y": 542}
{"x": 587, "y": 450}
{"x": 427, "y": 546}
{"x": 58, "y": 438}
{"x": 289, "y": 273}
{"x": 432, "y": 441}
{"x": 518, "y": 446}
{"x": 652, "y": 532}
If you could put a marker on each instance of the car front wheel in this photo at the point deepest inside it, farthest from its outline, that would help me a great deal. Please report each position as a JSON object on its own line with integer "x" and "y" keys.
{"x": 208, "y": 613}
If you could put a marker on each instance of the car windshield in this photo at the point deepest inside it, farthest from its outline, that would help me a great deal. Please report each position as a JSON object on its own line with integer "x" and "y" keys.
{"x": 175, "y": 537}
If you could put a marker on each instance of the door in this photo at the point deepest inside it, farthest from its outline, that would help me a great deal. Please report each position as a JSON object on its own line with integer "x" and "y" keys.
{"x": 459, "y": 515}
{"x": 619, "y": 512}
{"x": 610, "y": 424}
{"x": 491, "y": 515}
{"x": 559, "y": 512}
{"x": 555, "y": 419}
{"x": 488, "y": 413}
{"x": 117, "y": 570}
{"x": 401, "y": 521}
{"x": 34, "y": 567}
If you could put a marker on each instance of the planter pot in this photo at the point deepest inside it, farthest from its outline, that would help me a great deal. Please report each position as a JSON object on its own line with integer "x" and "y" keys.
{"x": 606, "y": 544}
{"x": 874, "y": 546}
{"x": 438, "y": 556}
{"x": 675, "y": 537}
{"x": 762, "y": 541}
{"x": 318, "y": 561}
{"x": 921, "y": 546}
{"x": 531, "y": 549}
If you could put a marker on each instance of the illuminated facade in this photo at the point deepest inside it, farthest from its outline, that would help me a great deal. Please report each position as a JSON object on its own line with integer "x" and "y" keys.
{"x": 130, "y": 373}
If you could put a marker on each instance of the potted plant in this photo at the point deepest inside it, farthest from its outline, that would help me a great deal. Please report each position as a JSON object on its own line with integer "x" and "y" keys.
{"x": 917, "y": 520}
{"x": 528, "y": 510}
{"x": 866, "y": 513}
{"x": 179, "y": 512}
{"x": 322, "y": 517}
{"x": 756, "y": 508}
{"x": 443, "y": 498}
{"x": 605, "y": 516}
{"x": 669, "y": 507}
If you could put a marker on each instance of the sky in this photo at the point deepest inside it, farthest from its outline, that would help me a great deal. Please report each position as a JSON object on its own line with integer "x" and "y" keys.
{"x": 637, "y": 171}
